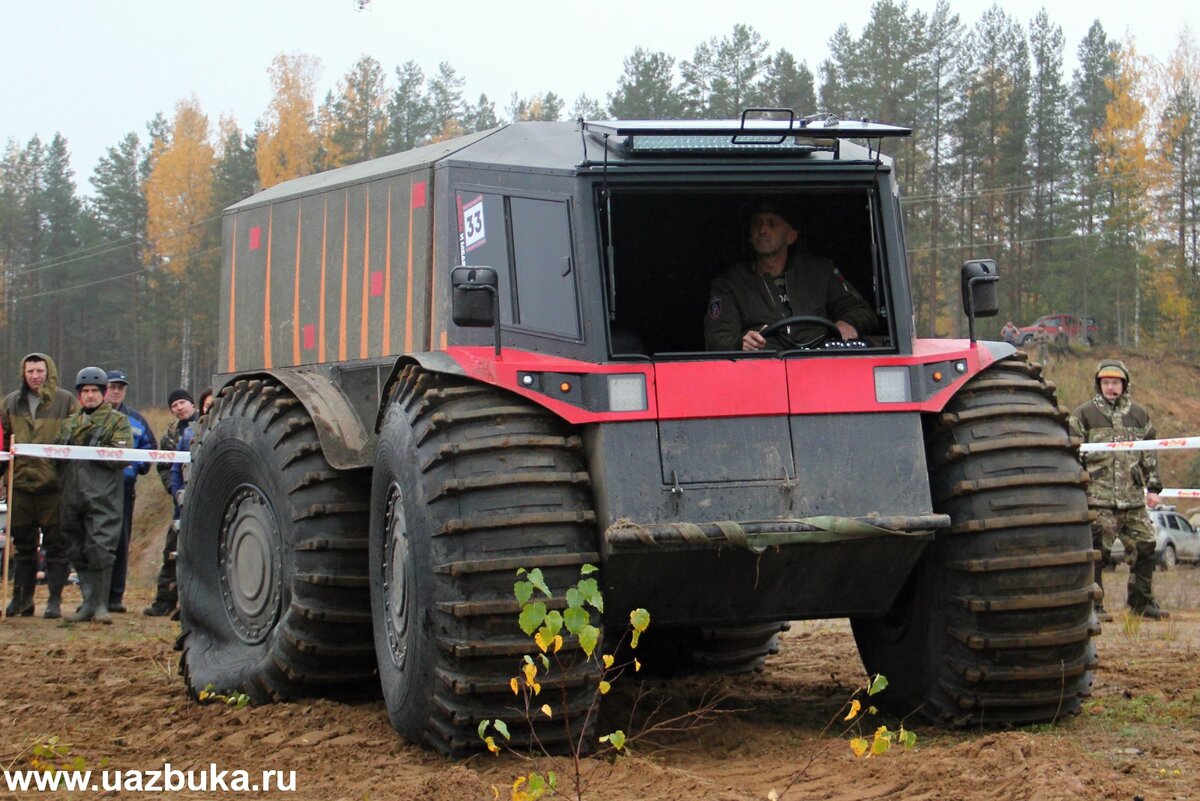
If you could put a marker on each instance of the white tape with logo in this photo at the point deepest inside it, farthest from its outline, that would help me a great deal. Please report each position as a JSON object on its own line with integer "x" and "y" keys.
{"x": 1172, "y": 443}
{"x": 1180, "y": 493}
{"x": 84, "y": 453}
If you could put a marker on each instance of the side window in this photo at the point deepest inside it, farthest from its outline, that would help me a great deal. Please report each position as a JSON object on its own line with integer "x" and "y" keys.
{"x": 1173, "y": 522}
{"x": 541, "y": 234}
{"x": 483, "y": 240}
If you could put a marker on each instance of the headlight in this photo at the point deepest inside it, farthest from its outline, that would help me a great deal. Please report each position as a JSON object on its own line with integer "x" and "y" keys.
{"x": 892, "y": 385}
{"x": 627, "y": 392}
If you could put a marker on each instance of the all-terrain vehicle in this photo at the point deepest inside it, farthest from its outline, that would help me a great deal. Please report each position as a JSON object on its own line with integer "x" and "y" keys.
{"x": 487, "y": 354}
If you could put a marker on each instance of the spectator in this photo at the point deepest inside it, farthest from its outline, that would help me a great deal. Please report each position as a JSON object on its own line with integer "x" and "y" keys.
{"x": 1042, "y": 340}
{"x": 206, "y": 401}
{"x": 35, "y": 414}
{"x": 1009, "y": 333}
{"x": 143, "y": 439}
{"x": 166, "y": 596}
{"x": 1121, "y": 484}
{"x": 90, "y": 506}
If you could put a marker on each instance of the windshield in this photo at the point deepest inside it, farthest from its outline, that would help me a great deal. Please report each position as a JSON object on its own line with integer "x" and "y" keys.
{"x": 686, "y": 279}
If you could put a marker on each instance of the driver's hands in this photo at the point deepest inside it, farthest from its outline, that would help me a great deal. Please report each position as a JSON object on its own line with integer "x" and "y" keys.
{"x": 846, "y": 330}
{"x": 752, "y": 340}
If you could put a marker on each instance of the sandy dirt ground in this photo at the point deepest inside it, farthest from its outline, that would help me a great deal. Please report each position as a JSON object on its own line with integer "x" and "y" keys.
{"x": 112, "y": 698}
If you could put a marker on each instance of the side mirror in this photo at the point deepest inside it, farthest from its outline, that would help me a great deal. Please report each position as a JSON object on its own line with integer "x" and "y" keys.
{"x": 474, "y": 303}
{"x": 979, "y": 292}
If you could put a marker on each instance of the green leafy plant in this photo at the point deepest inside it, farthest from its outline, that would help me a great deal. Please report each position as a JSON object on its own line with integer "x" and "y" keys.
{"x": 854, "y": 715}
{"x": 49, "y": 754}
{"x": 237, "y": 700}
{"x": 547, "y": 627}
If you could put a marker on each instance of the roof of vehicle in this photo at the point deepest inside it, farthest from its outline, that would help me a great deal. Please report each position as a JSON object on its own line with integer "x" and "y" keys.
{"x": 569, "y": 147}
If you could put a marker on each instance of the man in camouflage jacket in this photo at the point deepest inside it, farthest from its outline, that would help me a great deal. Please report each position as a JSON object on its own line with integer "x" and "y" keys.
{"x": 92, "y": 495}
{"x": 34, "y": 414}
{"x": 1122, "y": 483}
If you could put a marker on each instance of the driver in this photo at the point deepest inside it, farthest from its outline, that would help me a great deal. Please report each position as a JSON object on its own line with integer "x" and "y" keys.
{"x": 746, "y": 298}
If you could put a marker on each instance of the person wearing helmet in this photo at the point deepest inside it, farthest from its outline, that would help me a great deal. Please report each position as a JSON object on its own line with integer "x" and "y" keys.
{"x": 34, "y": 414}
{"x": 90, "y": 507}
{"x": 1121, "y": 483}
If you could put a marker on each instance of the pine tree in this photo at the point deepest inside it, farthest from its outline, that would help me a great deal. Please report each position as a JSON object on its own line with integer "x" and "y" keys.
{"x": 1090, "y": 96}
{"x": 480, "y": 115}
{"x": 646, "y": 89}
{"x": 354, "y": 118}
{"x": 786, "y": 84}
{"x": 409, "y": 112}
{"x": 446, "y": 103}
{"x": 1178, "y": 141}
{"x": 1051, "y": 167}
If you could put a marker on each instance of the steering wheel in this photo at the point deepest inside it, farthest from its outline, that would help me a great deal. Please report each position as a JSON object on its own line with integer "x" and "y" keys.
{"x": 826, "y": 323}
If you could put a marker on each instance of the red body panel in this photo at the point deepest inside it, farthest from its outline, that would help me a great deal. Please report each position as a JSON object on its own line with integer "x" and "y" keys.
{"x": 734, "y": 388}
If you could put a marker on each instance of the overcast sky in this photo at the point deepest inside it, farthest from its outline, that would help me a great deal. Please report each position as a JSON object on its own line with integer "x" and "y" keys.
{"x": 97, "y": 69}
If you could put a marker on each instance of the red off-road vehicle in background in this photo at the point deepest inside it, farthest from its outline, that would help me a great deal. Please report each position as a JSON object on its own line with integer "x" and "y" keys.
{"x": 1058, "y": 326}
{"x": 487, "y": 354}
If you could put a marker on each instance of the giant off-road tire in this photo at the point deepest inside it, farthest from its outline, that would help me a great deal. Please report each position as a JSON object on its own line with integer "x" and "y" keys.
{"x": 470, "y": 484}
{"x": 995, "y": 626}
{"x": 272, "y": 556}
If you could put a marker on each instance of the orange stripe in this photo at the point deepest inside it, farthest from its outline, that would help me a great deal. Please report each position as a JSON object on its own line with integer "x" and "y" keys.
{"x": 432, "y": 273}
{"x": 387, "y": 280}
{"x": 408, "y": 293}
{"x": 267, "y": 295}
{"x": 296, "y": 290}
{"x": 232, "y": 296}
{"x": 345, "y": 268}
{"x": 366, "y": 286}
{"x": 321, "y": 311}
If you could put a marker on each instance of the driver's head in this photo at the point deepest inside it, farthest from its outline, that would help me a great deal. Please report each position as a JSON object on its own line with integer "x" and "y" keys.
{"x": 771, "y": 229}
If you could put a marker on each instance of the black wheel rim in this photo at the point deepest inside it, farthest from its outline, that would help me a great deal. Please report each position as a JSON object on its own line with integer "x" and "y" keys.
{"x": 397, "y": 608}
{"x": 251, "y": 564}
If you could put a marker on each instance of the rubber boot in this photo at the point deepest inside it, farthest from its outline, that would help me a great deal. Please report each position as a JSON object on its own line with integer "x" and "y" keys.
{"x": 88, "y": 579}
{"x": 1140, "y": 592}
{"x": 24, "y": 580}
{"x": 103, "y": 585}
{"x": 56, "y": 579}
{"x": 1103, "y": 615}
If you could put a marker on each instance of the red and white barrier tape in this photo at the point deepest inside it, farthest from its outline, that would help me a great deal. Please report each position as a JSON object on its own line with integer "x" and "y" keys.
{"x": 1180, "y": 493}
{"x": 1144, "y": 445}
{"x": 84, "y": 453}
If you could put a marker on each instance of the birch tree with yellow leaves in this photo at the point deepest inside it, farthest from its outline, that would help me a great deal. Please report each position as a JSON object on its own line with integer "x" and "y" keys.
{"x": 179, "y": 204}
{"x": 1131, "y": 174}
{"x": 288, "y": 141}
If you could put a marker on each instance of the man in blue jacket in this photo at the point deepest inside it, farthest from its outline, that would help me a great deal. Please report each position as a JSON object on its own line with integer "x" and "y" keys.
{"x": 143, "y": 439}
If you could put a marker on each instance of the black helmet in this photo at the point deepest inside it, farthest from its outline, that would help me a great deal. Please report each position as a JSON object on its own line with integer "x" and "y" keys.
{"x": 91, "y": 377}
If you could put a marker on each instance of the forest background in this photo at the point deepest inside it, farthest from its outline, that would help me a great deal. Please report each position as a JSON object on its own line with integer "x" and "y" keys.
{"x": 1084, "y": 188}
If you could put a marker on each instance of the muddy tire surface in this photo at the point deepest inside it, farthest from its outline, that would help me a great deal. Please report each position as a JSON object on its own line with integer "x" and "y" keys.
{"x": 996, "y": 624}
{"x": 273, "y": 563}
{"x": 470, "y": 484}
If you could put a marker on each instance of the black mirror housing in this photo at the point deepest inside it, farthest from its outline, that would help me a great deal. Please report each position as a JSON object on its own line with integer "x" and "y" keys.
{"x": 474, "y": 302}
{"x": 980, "y": 295}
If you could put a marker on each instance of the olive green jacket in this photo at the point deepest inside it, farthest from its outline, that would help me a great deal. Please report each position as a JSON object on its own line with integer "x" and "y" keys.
{"x": 55, "y": 405}
{"x": 103, "y": 428}
{"x": 1117, "y": 479}
{"x": 741, "y": 298}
